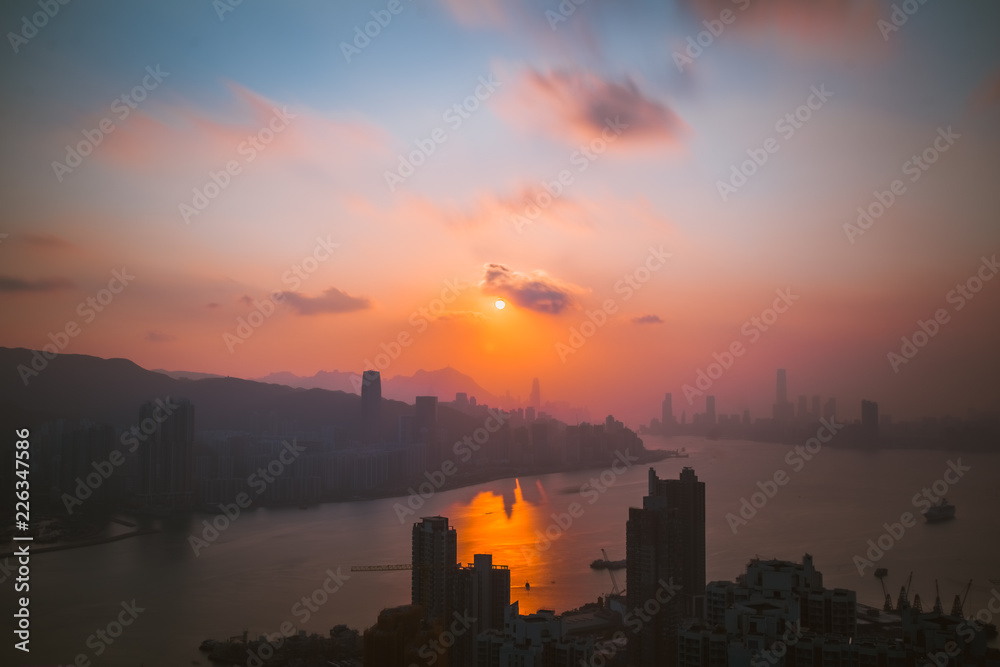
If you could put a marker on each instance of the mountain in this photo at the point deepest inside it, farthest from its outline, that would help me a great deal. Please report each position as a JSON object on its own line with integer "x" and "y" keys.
{"x": 443, "y": 383}
{"x": 186, "y": 375}
{"x": 82, "y": 387}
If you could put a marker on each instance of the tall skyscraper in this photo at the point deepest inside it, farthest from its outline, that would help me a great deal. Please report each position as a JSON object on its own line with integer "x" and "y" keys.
{"x": 535, "y": 398}
{"x": 803, "y": 411}
{"x": 166, "y": 458}
{"x": 869, "y": 417}
{"x": 482, "y": 593}
{"x": 816, "y": 414}
{"x": 783, "y": 409}
{"x": 425, "y": 427}
{"x": 667, "y": 412}
{"x": 371, "y": 406}
{"x": 664, "y": 548}
{"x": 830, "y": 408}
{"x": 710, "y": 410}
{"x": 435, "y": 560}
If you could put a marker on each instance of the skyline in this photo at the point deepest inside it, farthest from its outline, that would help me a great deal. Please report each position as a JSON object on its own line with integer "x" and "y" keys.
{"x": 319, "y": 226}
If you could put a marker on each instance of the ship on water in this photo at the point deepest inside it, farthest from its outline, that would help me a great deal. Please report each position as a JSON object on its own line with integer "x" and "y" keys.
{"x": 940, "y": 512}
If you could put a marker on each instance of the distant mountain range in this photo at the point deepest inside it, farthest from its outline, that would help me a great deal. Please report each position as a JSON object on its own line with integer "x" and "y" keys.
{"x": 82, "y": 387}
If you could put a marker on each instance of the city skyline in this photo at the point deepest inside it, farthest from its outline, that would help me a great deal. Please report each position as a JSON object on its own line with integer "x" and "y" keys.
{"x": 636, "y": 255}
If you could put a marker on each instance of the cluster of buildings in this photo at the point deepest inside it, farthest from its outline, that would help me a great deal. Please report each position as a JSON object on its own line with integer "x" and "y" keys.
{"x": 162, "y": 463}
{"x": 787, "y": 420}
{"x": 775, "y": 614}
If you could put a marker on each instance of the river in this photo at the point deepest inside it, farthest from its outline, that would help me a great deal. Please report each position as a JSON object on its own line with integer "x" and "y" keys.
{"x": 256, "y": 571}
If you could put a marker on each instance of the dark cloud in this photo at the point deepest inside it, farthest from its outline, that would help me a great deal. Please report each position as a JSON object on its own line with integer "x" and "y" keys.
{"x": 332, "y": 300}
{"x": 13, "y": 284}
{"x": 158, "y": 337}
{"x": 536, "y": 290}
{"x": 647, "y": 319}
{"x": 580, "y": 106}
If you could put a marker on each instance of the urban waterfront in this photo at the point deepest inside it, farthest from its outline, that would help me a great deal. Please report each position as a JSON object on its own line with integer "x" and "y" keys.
{"x": 255, "y": 574}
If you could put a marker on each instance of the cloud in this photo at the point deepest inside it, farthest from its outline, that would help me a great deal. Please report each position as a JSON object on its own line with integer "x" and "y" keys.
{"x": 332, "y": 300}
{"x": 13, "y": 284}
{"x": 213, "y": 305}
{"x": 459, "y": 315}
{"x": 158, "y": 337}
{"x": 579, "y": 106}
{"x": 987, "y": 94}
{"x": 647, "y": 319}
{"x": 837, "y": 21}
{"x": 179, "y": 136}
{"x": 46, "y": 241}
{"x": 535, "y": 291}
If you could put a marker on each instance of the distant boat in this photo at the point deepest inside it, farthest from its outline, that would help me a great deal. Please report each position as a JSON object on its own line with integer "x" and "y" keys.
{"x": 527, "y": 586}
{"x": 940, "y": 512}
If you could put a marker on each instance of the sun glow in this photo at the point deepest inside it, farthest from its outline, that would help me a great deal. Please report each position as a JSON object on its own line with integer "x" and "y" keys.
{"x": 500, "y": 304}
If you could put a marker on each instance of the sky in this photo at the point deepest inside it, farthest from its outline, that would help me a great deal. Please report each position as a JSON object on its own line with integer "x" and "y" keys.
{"x": 301, "y": 186}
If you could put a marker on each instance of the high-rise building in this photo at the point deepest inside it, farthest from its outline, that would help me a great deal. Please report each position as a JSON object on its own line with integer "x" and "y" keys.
{"x": 665, "y": 548}
{"x": 783, "y": 408}
{"x": 482, "y": 593}
{"x": 803, "y": 411}
{"x": 435, "y": 559}
{"x": 710, "y": 410}
{"x": 371, "y": 406}
{"x": 425, "y": 427}
{"x": 166, "y": 458}
{"x": 535, "y": 398}
{"x": 830, "y": 408}
{"x": 667, "y": 412}
{"x": 869, "y": 417}
{"x": 815, "y": 408}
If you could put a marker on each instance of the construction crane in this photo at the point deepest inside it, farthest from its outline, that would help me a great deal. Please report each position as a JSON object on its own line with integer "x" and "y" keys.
{"x": 959, "y": 604}
{"x": 381, "y": 568}
{"x": 881, "y": 574}
{"x": 611, "y": 573}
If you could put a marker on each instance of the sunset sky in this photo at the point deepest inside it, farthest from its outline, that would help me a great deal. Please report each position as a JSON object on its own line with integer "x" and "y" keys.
{"x": 318, "y": 125}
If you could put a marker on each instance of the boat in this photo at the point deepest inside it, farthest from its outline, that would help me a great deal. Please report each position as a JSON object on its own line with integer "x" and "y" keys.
{"x": 940, "y": 512}
{"x": 527, "y": 586}
{"x": 602, "y": 564}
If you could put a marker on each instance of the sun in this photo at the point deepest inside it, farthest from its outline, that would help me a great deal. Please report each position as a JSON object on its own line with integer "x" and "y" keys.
{"x": 500, "y": 304}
